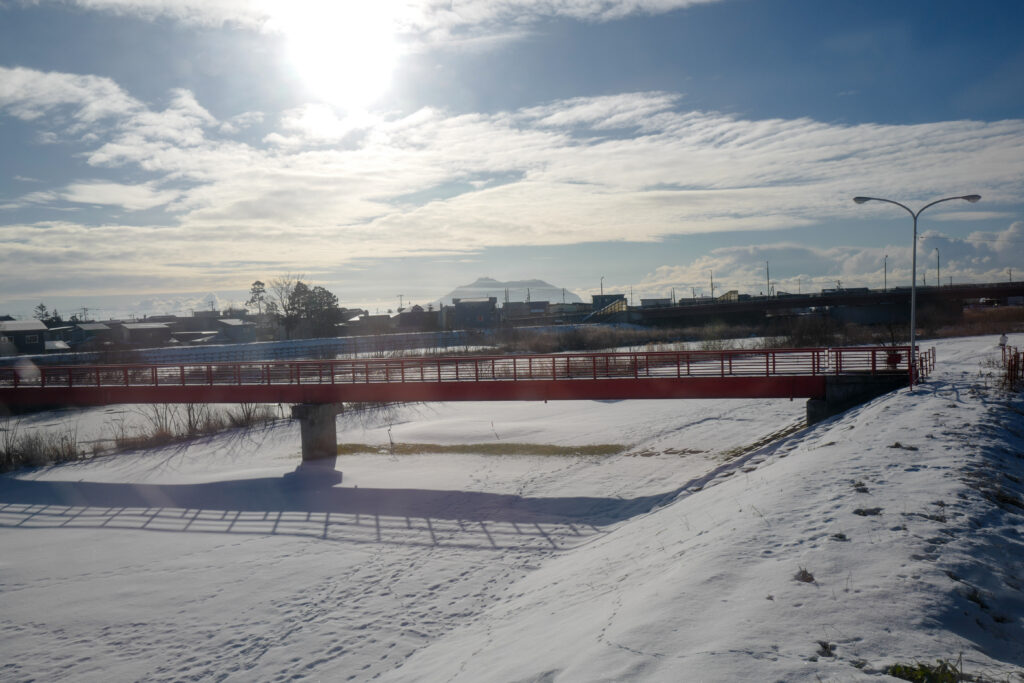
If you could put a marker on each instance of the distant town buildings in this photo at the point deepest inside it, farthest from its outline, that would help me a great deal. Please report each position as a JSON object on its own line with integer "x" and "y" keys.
{"x": 235, "y": 325}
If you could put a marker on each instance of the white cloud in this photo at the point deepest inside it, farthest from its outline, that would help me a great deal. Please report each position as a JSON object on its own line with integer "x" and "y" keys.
{"x": 429, "y": 21}
{"x": 319, "y": 123}
{"x": 629, "y": 110}
{"x": 129, "y": 197}
{"x": 245, "y": 13}
{"x": 241, "y": 121}
{"x": 971, "y": 216}
{"x": 982, "y": 257}
{"x": 29, "y": 95}
{"x": 323, "y": 189}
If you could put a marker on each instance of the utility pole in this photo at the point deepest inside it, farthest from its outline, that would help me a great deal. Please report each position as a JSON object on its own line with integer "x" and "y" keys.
{"x": 712, "y": 274}
{"x": 401, "y": 299}
{"x": 768, "y": 280}
{"x": 602, "y": 285}
{"x": 938, "y": 268}
{"x": 885, "y": 273}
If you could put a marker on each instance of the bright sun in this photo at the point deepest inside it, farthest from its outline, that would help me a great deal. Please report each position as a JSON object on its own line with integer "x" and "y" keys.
{"x": 345, "y": 51}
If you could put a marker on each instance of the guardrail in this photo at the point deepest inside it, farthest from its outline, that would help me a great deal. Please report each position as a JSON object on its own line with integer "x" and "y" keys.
{"x": 572, "y": 366}
{"x": 1013, "y": 363}
{"x": 925, "y": 363}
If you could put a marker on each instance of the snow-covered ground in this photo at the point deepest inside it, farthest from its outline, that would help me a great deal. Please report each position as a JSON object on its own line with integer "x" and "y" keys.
{"x": 675, "y": 561}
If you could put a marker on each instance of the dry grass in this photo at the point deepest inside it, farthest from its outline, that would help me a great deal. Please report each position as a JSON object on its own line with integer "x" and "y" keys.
{"x": 20, "y": 448}
{"x": 160, "y": 425}
{"x": 492, "y": 448}
{"x": 164, "y": 423}
{"x": 986, "y": 321}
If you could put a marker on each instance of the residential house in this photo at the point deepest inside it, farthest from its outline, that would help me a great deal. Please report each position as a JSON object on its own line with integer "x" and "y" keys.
{"x": 417, "y": 319}
{"x": 145, "y": 334}
{"x": 476, "y": 313}
{"x": 235, "y": 331}
{"x": 91, "y": 336}
{"x": 27, "y": 336}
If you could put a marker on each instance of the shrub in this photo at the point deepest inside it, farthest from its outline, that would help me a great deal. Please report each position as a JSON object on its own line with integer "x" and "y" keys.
{"x": 36, "y": 448}
{"x": 251, "y": 415}
{"x": 942, "y": 672}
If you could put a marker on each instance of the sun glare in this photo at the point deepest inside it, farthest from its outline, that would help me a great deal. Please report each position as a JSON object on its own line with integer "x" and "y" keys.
{"x": 344, "y": 52}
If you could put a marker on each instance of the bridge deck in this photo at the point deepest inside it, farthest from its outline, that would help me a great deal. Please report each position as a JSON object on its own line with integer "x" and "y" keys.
{"x": 776, "y": 373}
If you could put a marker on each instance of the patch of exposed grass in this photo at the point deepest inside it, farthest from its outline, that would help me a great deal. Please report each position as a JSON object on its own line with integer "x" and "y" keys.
{"x": 492, "y": 448}
{"x": 943, "y": 671}
{"x": 734, "y": 453}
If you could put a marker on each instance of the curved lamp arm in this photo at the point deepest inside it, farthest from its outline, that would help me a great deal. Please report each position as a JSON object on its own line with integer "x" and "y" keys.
{"x": 861, "y": 200}
{"x": 967, "y": 197}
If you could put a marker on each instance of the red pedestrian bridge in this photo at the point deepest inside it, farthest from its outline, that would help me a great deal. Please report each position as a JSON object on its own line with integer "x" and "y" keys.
{"x": 831, "y": 379}
{"x": 774, "y": 373}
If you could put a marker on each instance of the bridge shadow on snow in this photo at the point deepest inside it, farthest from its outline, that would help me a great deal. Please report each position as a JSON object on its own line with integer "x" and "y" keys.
{"x": 310, "y": 506}
{"x": 276, "y": 506}
{"x": 274, "y": 495}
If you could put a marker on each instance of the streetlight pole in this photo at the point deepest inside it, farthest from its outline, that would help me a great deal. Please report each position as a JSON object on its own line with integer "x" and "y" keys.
{"x": 602, "y": 285}
{"x": 972, "y": 198}
{"x": 885, "y": 273}
{"x": 938, "y": 267}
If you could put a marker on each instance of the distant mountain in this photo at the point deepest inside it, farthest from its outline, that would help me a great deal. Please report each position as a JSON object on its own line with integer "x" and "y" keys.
{"x": 538, "y": 290}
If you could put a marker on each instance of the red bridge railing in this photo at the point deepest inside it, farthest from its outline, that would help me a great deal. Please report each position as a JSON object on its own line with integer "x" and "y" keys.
{"x": 1013, "y": 366}
{"x": 558, "y": 367}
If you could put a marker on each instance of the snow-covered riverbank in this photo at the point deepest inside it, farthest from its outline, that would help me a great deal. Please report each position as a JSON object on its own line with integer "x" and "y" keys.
{"x": 677, "y": 560}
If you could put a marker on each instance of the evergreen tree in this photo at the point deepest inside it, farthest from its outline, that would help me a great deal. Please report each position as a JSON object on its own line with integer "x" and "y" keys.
{"x": 258, "y": 295}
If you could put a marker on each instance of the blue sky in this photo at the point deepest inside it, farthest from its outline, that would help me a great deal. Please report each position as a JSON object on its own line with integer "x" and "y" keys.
{"x": 160, "y": 152}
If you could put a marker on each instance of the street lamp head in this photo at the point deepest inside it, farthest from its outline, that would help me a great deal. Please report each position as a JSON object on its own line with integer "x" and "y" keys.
{"x": 861, "y": 200}
{"x": 972, "y": 198}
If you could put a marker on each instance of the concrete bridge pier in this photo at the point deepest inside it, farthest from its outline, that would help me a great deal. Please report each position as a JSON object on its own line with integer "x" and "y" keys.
{"x": 317, "y": 422}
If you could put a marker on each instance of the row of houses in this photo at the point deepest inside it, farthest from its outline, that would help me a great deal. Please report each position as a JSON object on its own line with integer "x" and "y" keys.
{"x": 239, "y": 326}
{"x": 465, "y": 314}
{"x": 34, "y": 337}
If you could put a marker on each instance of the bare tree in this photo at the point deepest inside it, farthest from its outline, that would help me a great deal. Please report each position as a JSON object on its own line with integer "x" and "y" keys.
{"x": 281, "y": 290}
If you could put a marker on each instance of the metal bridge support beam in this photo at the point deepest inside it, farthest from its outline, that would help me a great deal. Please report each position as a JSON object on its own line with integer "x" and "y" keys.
{"x": 317, "y": 422}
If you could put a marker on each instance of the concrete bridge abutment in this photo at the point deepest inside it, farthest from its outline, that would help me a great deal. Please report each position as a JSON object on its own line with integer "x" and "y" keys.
{"x": 843, "y": 392}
